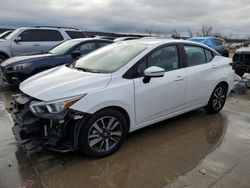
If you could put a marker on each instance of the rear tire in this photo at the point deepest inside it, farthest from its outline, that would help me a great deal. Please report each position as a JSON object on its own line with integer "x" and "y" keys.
{"x": 103, "y": 133}
{"x": 217, "y": 99}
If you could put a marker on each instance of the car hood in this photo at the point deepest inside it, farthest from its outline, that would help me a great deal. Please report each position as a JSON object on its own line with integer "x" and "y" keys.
{"x": 19, "y": 59}
{"x": 61, "y": 82}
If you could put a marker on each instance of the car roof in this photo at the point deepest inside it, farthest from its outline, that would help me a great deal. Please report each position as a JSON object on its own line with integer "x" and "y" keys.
{"x": 90, "y": 39}
{"x": 154, "y": 41}
{"x": 50, "y": 27}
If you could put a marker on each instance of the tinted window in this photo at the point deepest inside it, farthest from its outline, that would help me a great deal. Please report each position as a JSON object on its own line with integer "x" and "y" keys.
{"x": 195, "y": 55}
{"x": 75, "y": 34}
{"x": 29, "y": 35}
{"x": 209, "y": 55}
{"x": 50, "y": 35}
{"x": 86, "y": 48}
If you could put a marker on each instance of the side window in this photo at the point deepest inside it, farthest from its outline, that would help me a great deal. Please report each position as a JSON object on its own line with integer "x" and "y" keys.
{"x": 219, "y": 42}
{"x": 86, "y": 48}
{"x": 209, "y": 55}
{"x": 50, "y": 35}
{"x": 166, "y": 58}
{"x": 75, "y": 34}
{"x": 195, "y": 55}
{"x": 29, "y": 35}
{"x": 101, "y": 44}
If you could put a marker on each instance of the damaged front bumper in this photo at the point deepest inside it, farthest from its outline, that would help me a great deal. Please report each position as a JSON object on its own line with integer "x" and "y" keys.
{"x": 58, "y": 132}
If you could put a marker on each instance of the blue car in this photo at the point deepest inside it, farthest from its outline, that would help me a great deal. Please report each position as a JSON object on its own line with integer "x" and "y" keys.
{"x": 15, "y": 70}
{"x": 217, "y": 44}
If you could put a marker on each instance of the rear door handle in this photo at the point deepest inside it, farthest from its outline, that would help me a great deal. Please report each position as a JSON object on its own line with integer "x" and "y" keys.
{"x": 36, "y": 45}
{"x": 179, "y": 78}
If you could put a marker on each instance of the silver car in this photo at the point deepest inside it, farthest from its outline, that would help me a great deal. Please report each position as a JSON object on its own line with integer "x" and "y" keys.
{"x": 34, "y": 40}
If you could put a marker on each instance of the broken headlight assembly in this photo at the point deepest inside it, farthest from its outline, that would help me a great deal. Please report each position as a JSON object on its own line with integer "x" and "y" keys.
{"x": 55, "y": 106}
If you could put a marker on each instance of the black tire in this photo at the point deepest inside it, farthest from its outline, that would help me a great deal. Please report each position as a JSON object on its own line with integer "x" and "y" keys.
{"x": 225, "y": 55}
{"x": 3, "y": 58}
{"x": 241, "y": 74}
{"x": 217, "y": 99}
{"x": 90, "y": 134}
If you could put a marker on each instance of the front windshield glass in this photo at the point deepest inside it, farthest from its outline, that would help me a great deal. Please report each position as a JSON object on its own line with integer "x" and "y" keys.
{"x": 13, "y": 34}
{"x": 61, "y": 49}
{"x": 110, "y": 58}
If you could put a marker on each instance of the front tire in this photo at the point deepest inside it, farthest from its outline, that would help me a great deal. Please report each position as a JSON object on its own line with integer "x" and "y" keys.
{"x": 103, "y": 133}
{"x": 217, "y": 99}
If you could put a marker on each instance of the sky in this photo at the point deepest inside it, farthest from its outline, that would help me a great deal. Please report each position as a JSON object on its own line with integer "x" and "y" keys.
{"x": 230, "y": 17}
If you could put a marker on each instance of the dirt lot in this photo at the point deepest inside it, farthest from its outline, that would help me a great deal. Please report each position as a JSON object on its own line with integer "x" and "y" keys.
{"x": 192, "y": 150}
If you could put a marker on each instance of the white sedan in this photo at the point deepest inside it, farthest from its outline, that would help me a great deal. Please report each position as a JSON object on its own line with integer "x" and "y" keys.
{"x": 94, "y": 103}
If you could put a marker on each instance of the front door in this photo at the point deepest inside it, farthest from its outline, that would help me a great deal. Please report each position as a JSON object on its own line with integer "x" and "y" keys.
{"x": 28, "y": 45}
{"x": 161, "y": 96}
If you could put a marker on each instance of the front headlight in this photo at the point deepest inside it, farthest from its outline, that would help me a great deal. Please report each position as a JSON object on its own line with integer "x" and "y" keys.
{"x": 21, "y": 67}
{"x": 55, "y": 106}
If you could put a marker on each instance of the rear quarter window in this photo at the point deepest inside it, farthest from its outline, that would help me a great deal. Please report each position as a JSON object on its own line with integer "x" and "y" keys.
{"x": 75, "y": 34}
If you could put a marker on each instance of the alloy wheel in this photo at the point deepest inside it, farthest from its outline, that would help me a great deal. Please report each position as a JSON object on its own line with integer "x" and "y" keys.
{"x": 219, "y": 98}
{"x": 104, "y": 134}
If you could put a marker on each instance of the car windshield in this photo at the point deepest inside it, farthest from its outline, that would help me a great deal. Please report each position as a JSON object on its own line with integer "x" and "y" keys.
{"x": 110, "y": 58}
{"x": 64, "y": 47}
{"x": 13, "y": 34}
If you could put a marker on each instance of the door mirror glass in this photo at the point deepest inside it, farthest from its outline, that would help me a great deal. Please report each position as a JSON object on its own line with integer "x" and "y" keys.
{"x": 18, "y": 39}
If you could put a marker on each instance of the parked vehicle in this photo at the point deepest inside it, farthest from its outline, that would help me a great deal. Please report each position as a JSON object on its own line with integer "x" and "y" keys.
{"x": 94, "y": 103}
{"x": 5, "y": 34}
{"x": 125, "y": 38}
{"x": 241, "y": 61}
{"x": 217, "y": 44}
{"x": 16, "y": 69}
{"x": 35, "y": 40}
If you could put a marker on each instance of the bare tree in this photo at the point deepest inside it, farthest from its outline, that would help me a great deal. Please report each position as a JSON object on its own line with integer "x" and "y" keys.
{"x": 206, "y": 31}
{"x": 149, "y": 31}
{"x": 175, "y": 34}
{"x": 190, "y": 33}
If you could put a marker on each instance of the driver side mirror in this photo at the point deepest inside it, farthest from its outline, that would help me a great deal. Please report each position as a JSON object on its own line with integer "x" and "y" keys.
{"x": 153, "y": 72}
{"x": 18, "y": 39}
{"x": 76, "y": 54}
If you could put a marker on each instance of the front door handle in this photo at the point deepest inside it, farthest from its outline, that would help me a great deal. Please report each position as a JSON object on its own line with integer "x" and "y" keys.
{"x": 36, "y": 45}
{"x": 179, "y": 78}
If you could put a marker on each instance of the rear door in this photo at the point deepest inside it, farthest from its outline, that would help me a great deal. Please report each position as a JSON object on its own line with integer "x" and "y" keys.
{"x": 161, "y": 96}
{"x": 201, "y": 75}
{"x": 49, "y": 38}
{"x": 29, "y": 44}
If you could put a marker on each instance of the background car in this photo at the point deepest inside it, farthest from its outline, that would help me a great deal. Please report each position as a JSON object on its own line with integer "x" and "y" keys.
{"x": 15, "y": 70}
{"x": 217, "y": 44}
{"x": 5, "y": 34}
{"x": 35, "y": 40}
{"x": 92, "y": 104}
{"x": 241, "y": 61}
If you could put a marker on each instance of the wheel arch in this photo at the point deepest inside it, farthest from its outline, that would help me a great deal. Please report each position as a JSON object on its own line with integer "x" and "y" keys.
{"x": 4, "y": 54}
{"x": 79, "y": 126}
